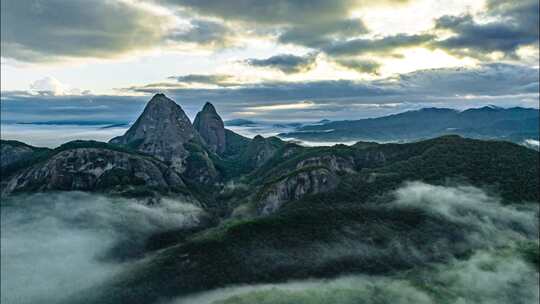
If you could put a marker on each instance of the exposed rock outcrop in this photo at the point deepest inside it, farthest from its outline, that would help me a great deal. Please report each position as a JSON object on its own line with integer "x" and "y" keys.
{"x": 331, "y": 162}
{"x": 296, "y": 186}
{"x": 94, "y": 169}
{"x": 312, "y": 175}
{"x": 210, "y": 126}
{"x": 162, "y": 130}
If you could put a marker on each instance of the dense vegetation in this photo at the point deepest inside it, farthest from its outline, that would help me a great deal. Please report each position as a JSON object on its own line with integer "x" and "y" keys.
{"x": 507, "y": 169}
{"x": 353, "y": 228}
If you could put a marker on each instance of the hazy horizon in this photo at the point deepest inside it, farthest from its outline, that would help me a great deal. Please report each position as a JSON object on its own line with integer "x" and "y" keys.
{"x": 277, "y": 60}
{"x": 53, "y": 133}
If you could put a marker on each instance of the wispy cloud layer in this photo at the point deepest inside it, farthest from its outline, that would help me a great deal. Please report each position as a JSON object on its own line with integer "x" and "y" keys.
{"x": 286, "y": 63}
{"x": 50, "y": 30}
{"x": 501, "y": 84}
{"x": 249, "y": 53}
{"x": 514, "y": 25}
{"x": 42, "y": 31}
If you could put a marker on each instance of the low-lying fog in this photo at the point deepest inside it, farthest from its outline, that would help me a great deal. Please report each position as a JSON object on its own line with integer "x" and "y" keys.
{"x": 496, "y": 273}
{"x": 52, "y": 136}
{"x": 56, "y": 244}
{"x": 488, "y": 277}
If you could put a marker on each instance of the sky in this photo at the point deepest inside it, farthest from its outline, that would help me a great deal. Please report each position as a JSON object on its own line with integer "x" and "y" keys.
{"x": 280, "y": 60}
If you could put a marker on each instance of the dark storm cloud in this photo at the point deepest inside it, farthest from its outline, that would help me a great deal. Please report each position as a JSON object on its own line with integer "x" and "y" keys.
{"x": 378, "y": 45}
{"x": 515, "y": 25}
{"x": 286, "y": 63}
{"x": 314, "y": 24}
{"x": 524, "y": 12}
{"x": 476, "y": 40}
{"x": 269, "y": 12}
{"x": 205, "y": 33}
{"x": 215, "y": 79}
{"x": 326, "y": 26}
{"x": 362, "y": 66}
{"x": 488, "y": 79}
{"x": 35, "y": 30}
{"x": 322, "y": 33}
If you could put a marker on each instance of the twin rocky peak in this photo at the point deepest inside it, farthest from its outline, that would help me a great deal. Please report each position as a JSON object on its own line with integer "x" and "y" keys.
{"x": 163, "y": 129}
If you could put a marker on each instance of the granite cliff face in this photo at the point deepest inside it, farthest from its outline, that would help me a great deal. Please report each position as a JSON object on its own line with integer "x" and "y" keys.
{"x": 95, "y": 169}
{"x": 162, "y": 130}
{"x": 296, "y": 186}
{"x": 313, "y": 175}
{"x": 332, "y": 162}
{"x": 210, "y": 126}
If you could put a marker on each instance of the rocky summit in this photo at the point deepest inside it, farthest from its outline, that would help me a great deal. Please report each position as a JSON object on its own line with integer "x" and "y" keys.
{"x": 162, "y": 130}
{"x": 210, "y": 126}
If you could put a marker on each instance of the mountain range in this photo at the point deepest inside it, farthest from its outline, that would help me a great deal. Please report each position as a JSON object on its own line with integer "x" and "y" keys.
{"x": 513, "y": 124}
{"x": 275, "y": 207}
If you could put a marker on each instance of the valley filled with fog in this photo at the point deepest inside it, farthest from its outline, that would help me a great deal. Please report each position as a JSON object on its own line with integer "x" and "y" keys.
{"x": 56, "y": 245}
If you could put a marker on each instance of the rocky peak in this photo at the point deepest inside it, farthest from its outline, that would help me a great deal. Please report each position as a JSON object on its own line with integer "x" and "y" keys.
{"x": 211, "y": 128}
{"x": 209, "y": 108}
{"x": 94, "y": 169}
{"x": 162, "y": 130}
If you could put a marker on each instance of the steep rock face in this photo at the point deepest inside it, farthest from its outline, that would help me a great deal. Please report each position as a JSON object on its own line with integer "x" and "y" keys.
{"x": 93, "y": 169}
{"x": 296, "y": 186}
{"x": 210, "y": 126}
{"x": 332, "y": 162}
{"x": 310, "y": 176}
{"x": 162, "y": 130}
{"x": 13, "y": 151}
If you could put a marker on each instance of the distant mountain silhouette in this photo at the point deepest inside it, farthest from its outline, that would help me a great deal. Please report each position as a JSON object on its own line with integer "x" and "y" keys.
{"x": 490, "y": 122}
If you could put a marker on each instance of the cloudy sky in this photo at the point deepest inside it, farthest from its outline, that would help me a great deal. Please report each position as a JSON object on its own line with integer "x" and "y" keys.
{"x": 267, "y": 60}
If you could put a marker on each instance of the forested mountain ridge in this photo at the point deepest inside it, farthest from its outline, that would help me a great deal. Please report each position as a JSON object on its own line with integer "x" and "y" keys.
{"x": 267, "y": 172}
